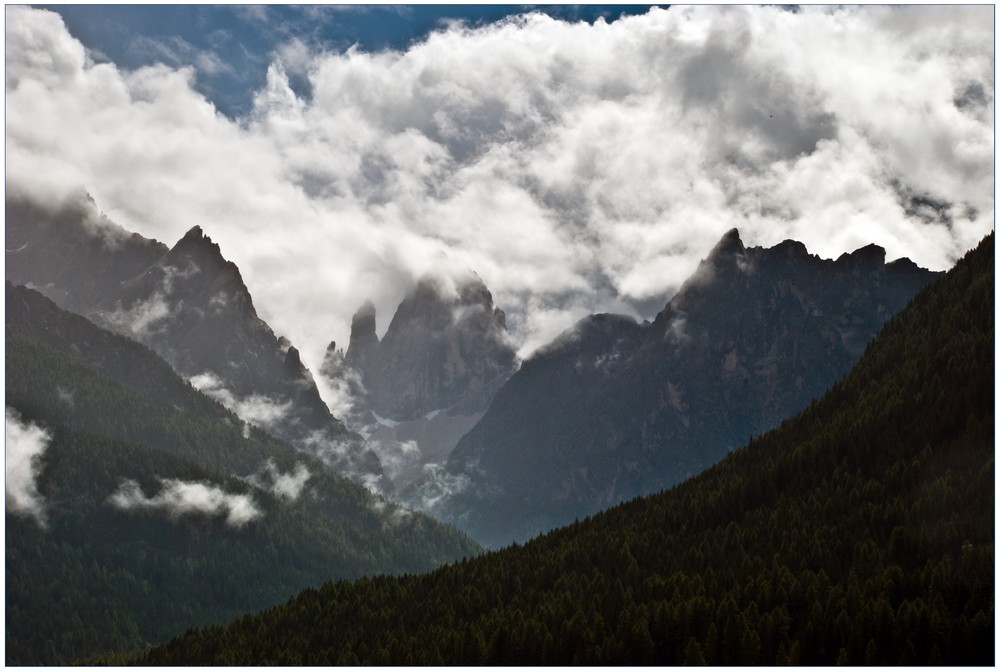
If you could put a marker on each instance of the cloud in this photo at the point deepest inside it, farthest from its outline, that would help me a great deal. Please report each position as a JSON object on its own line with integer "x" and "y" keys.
{"x": 143, "y": 318}
{"x": 67, "y": 396}
{"x": 396, "y": 456}
{"x": 576, "y": 168}
{"x": 255, "y": 409}
{"x": 435, "y": 487}
{"x": 340, "y": 385}
{"x": 288, "y": 486}
{"x": 26, "y": 442}
{"x": 178, "y": 498}
{"x": 391, "y": 513}
{"x": 176, "y": 51}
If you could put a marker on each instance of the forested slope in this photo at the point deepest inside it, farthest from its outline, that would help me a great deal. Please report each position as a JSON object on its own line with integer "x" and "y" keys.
{"x": 161, "y": 509}
{"x": 860, "y": 531}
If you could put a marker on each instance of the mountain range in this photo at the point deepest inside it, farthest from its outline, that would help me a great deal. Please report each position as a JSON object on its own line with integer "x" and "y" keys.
{"x": 430, "y": 378}
{"x": 860, "y": 531}
{"x": 169, "y": 433}
{"x": 190, "y": 305}
{"x": 614, "y": 409}
{"x": 147, "y": 507}
{"x": 443, "y": 415}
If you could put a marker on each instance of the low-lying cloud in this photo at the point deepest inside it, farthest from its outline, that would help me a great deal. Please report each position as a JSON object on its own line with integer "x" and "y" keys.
{"x": 178, "y": 498}
{"x": 435, "y": 488}
{"x": 26, "y": 442}
{"x": 255, "y": 409}
{"x": 397, "y": 456}
{"x": 576, "y": 168}
{"x": 288, "y": 486}
{"x": 142, "y": 319}
{"x": 392, "y": 514}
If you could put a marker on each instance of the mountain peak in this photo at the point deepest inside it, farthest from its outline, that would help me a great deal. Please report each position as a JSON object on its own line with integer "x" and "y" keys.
{"x": 364, "y": 319}
{"x": 729, "y": 245}
{"x": 194, "y": 233}
{"x": 870, "y": 256}
{"x": 363, "y": 343}
{"x": 196, "y": 243}
{"x": 445, "y": 345}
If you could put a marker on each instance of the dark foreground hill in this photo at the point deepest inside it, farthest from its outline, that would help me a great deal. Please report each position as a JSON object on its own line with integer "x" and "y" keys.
{"x": 151, "y": 508}
{"x": 861, "y": 532}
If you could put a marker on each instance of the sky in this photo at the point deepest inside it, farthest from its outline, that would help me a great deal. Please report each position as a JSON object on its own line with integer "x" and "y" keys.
{"x": 579, "y": 159}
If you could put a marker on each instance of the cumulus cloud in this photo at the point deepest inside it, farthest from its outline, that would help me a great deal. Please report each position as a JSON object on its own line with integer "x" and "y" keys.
{"x": 26, "y": 442}
{"x": 288, "y": 486}
{"x": 178, "y": 498}
{"x": 255, "y": 409}
{"x": 576, "y": 168}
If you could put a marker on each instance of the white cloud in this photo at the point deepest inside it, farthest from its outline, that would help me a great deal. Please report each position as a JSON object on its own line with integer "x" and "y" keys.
{"x": 178, "y": 498}
{"x": 176, "y": 51}
{"x": 285, "y": 485}
{"x": 25, "y": 445}
{"x": 577, "y": 168}
{"x": 396, "y": 456}
{"x": 255, "y": 409}
{"x": 392, "y": 514}
{"x": 143, "y": 318}
{"x": 435, "y": 487}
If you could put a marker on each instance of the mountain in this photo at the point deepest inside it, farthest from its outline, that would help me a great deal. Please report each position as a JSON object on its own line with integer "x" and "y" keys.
{"x": 431, "y": 377}
{"x": 190, "y": 305}
{"x": 860, "y": 531}
{"x": 613, "y": 409}
{"x": 141, "y": 507}
{"x": 71, "y": 252}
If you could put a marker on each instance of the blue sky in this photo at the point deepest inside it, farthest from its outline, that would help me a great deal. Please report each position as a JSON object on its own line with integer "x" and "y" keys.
{"x": 230, "y": 46}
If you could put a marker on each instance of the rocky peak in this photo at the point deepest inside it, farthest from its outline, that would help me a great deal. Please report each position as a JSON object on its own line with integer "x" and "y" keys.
{"x": 194, "y": 233}
{"x": 446, "y": 340}
{"x": 726, "y": 248}
{"x": 869, "y": 257}
{"x": 364, "y": 342}
{"x": 293, "y": 362}
{"x": 790, "y": 249}
{"x": 201, "y": 249}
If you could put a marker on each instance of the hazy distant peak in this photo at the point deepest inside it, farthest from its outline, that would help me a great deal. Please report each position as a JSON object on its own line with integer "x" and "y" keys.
{"x": 363, "y": 321}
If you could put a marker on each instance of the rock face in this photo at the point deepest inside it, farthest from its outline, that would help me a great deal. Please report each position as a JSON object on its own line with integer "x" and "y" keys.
{"x": 432, "y": 375}
{"x": 71, "y": 253}
{"x": 445, "y": 347}
{"x": 190, "y": 305}
{"x": 614, "y": 409}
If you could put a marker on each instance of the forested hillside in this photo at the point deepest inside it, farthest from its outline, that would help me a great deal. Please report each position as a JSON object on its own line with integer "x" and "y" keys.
{"x": 860, "y": 531}
{"x": 158, "y": 509}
